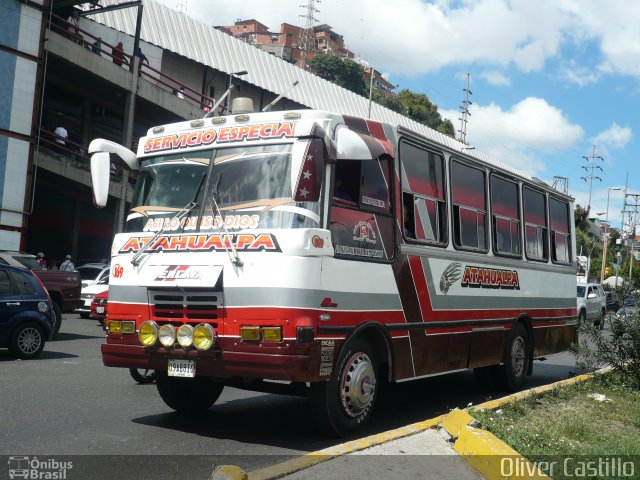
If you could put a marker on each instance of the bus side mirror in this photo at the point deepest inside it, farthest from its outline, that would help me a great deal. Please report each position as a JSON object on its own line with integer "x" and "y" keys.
{"x": 100, "y": 169}
{"x": 103, "y": 152}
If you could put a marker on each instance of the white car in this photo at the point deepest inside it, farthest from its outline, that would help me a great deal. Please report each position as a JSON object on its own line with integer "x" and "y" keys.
{"x": 91, "y": 273}
{"x": 89, "y": 292}
{"x": 591, "y": 303}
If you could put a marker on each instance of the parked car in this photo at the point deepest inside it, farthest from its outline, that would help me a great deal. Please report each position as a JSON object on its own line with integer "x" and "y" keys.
{"x": 613, "y": 302}
{"x": 591, "y": 303}
{"x": 26, "y": 314}
{"x": 63, "y": 287}
{"x": 92, "y": 273}
{"x": 88, "y": 294}
{"x": 99, "y": 306}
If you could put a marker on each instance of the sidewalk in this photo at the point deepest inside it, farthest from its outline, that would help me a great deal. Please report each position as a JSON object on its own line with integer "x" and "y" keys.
{"x": 449, "y": 446}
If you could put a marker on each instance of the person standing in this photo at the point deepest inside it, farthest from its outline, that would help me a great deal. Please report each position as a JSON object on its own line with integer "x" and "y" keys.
{"x": 67, "y": 265}
{"x": 73, "y": 27}
{"x": 41, "y": 260}
{"x": 117, "y": 53}
{"x": 61, "y": 136}
{"x": 97, "y": 46}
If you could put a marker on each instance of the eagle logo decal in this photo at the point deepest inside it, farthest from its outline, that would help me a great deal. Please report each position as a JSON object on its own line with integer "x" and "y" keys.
{"x": 450, "y": 275}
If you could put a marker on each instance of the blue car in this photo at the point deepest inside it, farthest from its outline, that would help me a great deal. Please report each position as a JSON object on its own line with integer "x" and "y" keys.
{"x": 26, "y": 320}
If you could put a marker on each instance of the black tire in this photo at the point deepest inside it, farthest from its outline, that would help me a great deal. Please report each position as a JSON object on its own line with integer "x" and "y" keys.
{"x": 143, "y": 376}
{"x": 56, "y": 313}
{"x": 517, "y": 354}
{"x": 582, "y": 316}
{"x": 85, "y": 315}
{"x": 337, "y": 411}
{"x": 188, "y": 395}
{"x": 27, "y": 340}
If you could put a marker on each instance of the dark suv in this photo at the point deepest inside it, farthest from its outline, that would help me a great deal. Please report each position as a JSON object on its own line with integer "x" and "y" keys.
{"x": 26, "y": 320}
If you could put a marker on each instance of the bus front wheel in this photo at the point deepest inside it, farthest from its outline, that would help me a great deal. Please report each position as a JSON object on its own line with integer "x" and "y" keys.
{"x": 517, "y": 355}
{"x": 188, "y": 395}
{"x": 345, "y": 402}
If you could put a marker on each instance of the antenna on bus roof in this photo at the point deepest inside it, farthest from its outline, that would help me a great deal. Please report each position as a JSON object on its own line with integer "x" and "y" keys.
{"x": 279, "y": 97}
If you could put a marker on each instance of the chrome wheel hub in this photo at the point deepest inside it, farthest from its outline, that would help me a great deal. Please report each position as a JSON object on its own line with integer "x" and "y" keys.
{"x": 518, "y": 353}
{"x": 357, "y": 384}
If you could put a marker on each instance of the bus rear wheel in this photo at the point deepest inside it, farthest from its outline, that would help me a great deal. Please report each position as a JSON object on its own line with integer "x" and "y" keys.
{"x": 517, "y": 355}
{"x": 188, "y": 395}
{"x": 345, "y": 402}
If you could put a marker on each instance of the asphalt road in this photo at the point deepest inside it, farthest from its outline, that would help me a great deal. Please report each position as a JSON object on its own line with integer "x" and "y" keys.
{"x": 65, "y": 403}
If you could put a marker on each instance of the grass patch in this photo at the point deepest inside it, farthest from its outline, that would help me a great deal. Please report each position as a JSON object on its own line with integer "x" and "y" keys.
{"x": 566, "y": 422}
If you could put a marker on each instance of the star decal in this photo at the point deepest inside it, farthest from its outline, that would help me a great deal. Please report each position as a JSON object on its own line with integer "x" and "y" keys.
{"x": 307, "y": 174}
{"x": 304, "y": 192}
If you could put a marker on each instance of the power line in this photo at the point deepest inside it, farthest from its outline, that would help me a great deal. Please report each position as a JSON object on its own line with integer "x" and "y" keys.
{"x": 589, "y": 169}
{"x": 307, "y": 42}
{"x": 464, "y": 111}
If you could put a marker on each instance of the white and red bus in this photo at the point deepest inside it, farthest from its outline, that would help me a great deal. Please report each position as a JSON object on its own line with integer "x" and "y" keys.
{"x": 332, "y": 253}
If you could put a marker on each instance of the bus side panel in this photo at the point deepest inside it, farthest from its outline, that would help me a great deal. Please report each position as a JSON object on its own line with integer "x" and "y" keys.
{"x": 402, "y": 362}
{"x": 487, "y": 347}
{"x": 548, "y": 340}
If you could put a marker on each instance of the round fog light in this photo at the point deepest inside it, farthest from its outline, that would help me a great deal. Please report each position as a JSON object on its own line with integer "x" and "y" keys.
{"x": 203, "y": 336}
{"x": 185, "y": 336}
{"x": 167, "y": 335}
{"x": 148, "y": 333}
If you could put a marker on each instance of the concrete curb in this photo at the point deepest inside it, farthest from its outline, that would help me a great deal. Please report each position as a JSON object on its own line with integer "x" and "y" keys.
{"x": 471, "y": 443}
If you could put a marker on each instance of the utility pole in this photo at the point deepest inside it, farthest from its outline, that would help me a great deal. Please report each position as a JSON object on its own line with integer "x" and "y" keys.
{"x": 464, "y": 112}
{"x": 589, "y": 169}
{"x": 632, "y": 223}
{"x": 307, "y": 41}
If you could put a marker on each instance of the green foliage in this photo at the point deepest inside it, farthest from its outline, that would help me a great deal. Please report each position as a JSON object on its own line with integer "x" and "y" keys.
{"x": 619, "y": 347}
{"x": 389, "y": 100}
{"x": 343, "y": 72}
{"x": 420, "y": 108}
{"x": 446, "y": 128}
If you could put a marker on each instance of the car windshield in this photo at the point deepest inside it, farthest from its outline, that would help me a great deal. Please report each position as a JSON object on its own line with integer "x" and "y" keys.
{"x": 251, "y": 185}
{"x": 581, "y": 290}
{"x": 89, "y": 273}
{"x": 28, "y": 261}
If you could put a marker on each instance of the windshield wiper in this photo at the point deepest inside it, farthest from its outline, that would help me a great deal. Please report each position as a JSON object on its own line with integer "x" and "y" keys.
{"x": 235, "y": 258}
{"x": 186, "y": 210}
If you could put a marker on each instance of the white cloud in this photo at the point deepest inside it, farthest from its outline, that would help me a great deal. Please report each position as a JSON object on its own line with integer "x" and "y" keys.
{"x": 520, "y": 135}
{"x": 614, "y": 137}
{"x": 420, "y": 36}
{"x": 495, "y": 78}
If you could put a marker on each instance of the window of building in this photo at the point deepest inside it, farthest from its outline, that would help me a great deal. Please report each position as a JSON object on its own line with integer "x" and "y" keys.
{"x": 468, "y": 192}
{"x": 535, "y": 224}
{"x": 505, "y": 214}
{"x": 560, "y": 231}
{"x": 423, "y": 194}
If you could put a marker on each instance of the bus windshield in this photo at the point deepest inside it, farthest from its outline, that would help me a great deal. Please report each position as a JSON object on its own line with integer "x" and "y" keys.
{"x": 240, "y": 187}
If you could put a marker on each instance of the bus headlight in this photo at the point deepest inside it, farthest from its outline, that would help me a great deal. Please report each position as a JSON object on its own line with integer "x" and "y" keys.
{"x": 148, "y": 333}
{"x": 167, "y": 335}
{"x": 203, "y": 336}
{"x": 185, "y": 336}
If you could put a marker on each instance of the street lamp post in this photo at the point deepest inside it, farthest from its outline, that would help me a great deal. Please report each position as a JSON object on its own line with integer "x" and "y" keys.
{"x": 606, "y": 235}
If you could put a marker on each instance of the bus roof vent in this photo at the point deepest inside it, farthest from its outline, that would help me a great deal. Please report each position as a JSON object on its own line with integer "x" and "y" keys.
{"x": 242, "y": 105}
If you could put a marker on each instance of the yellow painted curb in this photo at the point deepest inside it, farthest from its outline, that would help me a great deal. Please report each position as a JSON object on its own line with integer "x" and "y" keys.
{"x": 493, "y": 458}
{"x": 228, "y": 472}
{"x": 455, "y": 421}
{"x": 310, "y": 459}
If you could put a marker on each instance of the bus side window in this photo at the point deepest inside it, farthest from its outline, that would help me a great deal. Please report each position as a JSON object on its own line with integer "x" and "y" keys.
{"x": 347, "y": 175}
{"x": 535, "y": 224}
{"x": 505, "y": 213}
{"x": 560, "y": 231}
{"x": 423, "y": 195}
{"x": 468, "y": 191}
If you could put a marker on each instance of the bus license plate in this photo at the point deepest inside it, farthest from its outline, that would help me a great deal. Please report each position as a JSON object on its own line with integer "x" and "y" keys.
{"x": 181, "y": 368}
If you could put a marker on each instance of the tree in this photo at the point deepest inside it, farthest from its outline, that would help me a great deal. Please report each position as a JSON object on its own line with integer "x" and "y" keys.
{"x": 389, "y": 100}
{"x": 343, "y": 72}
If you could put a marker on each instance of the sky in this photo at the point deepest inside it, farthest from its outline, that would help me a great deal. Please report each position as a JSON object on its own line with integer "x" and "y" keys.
{"x": 550, "y": 79}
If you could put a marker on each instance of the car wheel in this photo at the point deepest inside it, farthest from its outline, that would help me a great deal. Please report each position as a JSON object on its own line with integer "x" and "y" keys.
{"x": 143, "y": 376}
{"x": 345, "y": 402}
{"x": 188, "y": 395}
{"x": 56, "y": 313}
{"x": 510, "y": 375}
{"x": 85, "y": 315}
{"x": 581, "y": 317}
{"x": 27, "y": 341}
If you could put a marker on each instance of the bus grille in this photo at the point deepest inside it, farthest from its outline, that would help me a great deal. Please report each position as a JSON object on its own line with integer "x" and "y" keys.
{"x": 196, "y": 305}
